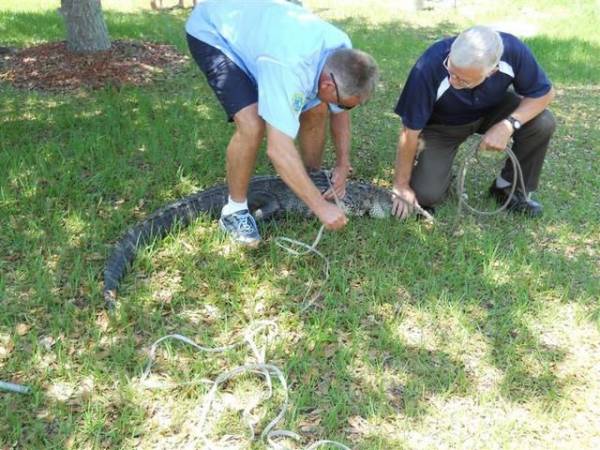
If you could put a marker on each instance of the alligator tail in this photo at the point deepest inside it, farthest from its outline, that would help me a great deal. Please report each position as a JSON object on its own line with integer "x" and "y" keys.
{"x": 157, "y": 225}
{"x": 268, "y": 197}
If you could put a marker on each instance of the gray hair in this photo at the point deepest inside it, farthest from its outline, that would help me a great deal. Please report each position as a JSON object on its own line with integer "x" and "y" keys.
{"x": 478, "y": 46}
{"x": 355, "y": 72}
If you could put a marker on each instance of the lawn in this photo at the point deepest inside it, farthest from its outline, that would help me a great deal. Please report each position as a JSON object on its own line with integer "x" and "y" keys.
{"x": 471, "y": 333}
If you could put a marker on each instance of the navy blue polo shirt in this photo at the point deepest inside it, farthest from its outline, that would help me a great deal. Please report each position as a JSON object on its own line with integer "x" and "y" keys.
{"x": 428, "y": 97}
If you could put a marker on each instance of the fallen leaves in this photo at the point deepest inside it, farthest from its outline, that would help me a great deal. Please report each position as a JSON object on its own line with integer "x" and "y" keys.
{"x": 102, "y": 321}
{"x": 22, "y": 329}
{"x": 6, "y": 346}
{"x": 47, "y": 342}
{"x": 52, "y": 67}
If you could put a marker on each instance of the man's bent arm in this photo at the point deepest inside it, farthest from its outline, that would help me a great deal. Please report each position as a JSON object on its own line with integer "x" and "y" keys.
{"x": 288, "y": 164}
{"x": 531, "y": 107}
{"x": 497, "y": 137}
{"x": 405, "y": 156}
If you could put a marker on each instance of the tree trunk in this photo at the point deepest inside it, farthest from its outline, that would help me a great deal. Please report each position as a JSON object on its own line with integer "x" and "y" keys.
{"x": 86, "y": 29}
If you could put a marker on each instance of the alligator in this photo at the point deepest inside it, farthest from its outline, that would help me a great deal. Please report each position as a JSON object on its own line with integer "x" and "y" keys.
{"x": 268, "y": 198}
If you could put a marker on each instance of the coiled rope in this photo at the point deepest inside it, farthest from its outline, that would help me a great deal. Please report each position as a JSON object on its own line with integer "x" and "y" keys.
{"x": 473, "y": 155}
{"x": 270, "y": 435}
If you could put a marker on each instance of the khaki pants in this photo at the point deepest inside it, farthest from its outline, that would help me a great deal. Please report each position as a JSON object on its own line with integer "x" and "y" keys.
{"x": 438, "y": 145}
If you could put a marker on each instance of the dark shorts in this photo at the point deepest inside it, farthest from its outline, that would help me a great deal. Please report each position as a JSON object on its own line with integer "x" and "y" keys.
{"x": 234, "y": 89}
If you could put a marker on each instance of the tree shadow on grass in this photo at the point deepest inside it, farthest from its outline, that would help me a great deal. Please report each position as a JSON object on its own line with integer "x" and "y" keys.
{"x": 498, "y": 295}
{"x": 423, "y": 373}
{"x": 76, "y": 174}
{"x": 500, "y": 289}
{"x": 120, "y": 154}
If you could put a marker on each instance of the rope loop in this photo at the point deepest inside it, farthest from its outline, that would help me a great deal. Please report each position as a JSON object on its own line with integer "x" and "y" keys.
{"x": 473, "y": 154}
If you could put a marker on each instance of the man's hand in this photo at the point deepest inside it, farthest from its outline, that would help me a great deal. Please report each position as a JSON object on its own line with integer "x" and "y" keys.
{"x": 339, "y": 176}
{"x": 288, "y": 164}
{"x": 497, "y": 137}
{"x": 331, "y": 216}
{"x": 404, "y": 201}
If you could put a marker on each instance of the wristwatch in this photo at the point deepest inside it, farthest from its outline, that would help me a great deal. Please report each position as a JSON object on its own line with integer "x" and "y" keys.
{"x": 516, "y": 125}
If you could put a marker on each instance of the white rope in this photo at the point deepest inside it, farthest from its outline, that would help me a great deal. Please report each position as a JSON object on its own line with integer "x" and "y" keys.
{"x": 269, "y": 434}
{"x": 248, "y": 337}
{"x": 288, "y": 245}
{"x": 283, "y": 242}
{"x": 291, "y": 435}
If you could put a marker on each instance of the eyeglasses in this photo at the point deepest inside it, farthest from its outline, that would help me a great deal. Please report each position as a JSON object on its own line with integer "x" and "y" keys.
{"x": 461, "y": 81}
{"x": 337, "y": 93}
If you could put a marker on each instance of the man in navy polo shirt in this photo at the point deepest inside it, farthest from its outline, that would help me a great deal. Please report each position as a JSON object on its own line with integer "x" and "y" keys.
{"x": 458, "y": 87}
{"x": 281, "y": 71}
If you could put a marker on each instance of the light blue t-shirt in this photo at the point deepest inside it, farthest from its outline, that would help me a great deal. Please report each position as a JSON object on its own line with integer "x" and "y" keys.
{"x": 281, "y": 46}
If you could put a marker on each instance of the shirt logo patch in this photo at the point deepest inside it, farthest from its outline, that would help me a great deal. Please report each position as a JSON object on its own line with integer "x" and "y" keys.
{"x": 297, "y": 101}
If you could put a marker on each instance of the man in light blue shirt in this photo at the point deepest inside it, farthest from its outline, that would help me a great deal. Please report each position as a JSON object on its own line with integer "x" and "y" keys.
{"x": 280, "y": 70}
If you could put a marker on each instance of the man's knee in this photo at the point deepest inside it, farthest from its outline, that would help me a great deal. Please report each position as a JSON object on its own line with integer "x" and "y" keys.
{"x": 318, "y": 114}
{"x": 314, "y": 122}
{"x": 311, "y": 136}
{"x": 430, "y": 195}
{"x": 250, "y": 125}
{"x": 544, "y": 123}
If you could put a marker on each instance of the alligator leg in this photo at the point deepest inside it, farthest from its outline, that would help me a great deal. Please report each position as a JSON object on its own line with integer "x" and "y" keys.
{"x": 263, "y": 205}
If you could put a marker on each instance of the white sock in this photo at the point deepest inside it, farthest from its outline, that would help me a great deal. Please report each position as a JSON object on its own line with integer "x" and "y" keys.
{"x": 233, "y": 206}
{"x": 501, "y": 183}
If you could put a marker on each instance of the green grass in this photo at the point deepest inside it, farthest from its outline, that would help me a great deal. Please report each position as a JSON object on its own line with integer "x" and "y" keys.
{"x": 473, "y": 333}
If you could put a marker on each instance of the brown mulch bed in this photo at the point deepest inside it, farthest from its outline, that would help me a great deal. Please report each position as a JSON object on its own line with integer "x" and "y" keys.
{"x": 51, "y": 67}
